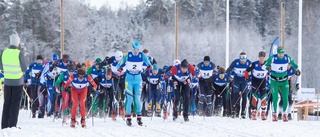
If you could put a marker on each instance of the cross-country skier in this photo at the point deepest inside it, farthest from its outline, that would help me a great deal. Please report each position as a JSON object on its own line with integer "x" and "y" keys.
{"x": 65, "y": 92}
{"x": 181, "y": 81}
{"x": 169, "y": 90}
{"x": 278, "y": 65}
{"x": 36, "y": 70}
{"x": 94, "y": 71}
{"x": 194, "y": 87}
{"x": 291, "y": 72}
{"x": 206, "y": 68}
{"x": 47, "y": 78}
{"x": 106, "y": 93}
{"x": 258, "y": 86}
{"x": 145, "y": 92}
{"x": 79, "y": 91}
{"x": 133, "y": 61}
{"x": 155, "y": 88}
{"x": 240, "y": 88}
{"x": 220, "y": 88}
{"x": 118, "y": 79}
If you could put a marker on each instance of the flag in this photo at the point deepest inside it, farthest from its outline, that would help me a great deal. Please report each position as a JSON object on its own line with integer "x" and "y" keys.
{"x": 274, "y": 47}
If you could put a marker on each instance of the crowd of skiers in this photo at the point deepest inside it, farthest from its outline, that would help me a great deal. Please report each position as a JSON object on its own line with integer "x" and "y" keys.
{"x": 132, "y": 84}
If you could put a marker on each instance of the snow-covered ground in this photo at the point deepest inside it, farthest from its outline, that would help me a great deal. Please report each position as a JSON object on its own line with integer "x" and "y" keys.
{"x": 198, "y": 126}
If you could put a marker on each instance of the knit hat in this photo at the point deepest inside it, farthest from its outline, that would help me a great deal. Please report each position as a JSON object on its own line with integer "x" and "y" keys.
{"x": 39, "y": 57}
{"x": 14, "y": 40}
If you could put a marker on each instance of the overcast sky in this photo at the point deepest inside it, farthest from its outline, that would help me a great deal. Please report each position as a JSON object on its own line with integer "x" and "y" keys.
{"x": 114, "y": 4}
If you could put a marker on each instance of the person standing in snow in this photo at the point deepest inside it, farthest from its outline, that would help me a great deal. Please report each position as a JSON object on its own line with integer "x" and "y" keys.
{"x": 13, "y": 64}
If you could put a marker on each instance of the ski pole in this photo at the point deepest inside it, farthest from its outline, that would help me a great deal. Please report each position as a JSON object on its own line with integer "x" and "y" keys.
{"x": 90, "y": 109}
{"x": 224, "y": 89}
{"x": 26, "y": 93}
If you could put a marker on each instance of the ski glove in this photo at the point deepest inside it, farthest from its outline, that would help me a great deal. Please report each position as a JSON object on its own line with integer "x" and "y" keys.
{"x": 230, "y": 80}
{"x": 97, "y": 92}
{"x": 297, "y": 86}
{"x": 58, "y": 91}
{"x": 120, "y": 70}
{"x": 297, "y": 72}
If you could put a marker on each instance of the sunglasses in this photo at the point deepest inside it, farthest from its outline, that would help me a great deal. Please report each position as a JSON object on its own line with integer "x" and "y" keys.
{"x": 243, "y": 57}
{"x": 81, "y": 76}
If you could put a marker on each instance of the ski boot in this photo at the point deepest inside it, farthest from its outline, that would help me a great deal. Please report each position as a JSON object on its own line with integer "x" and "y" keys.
{"x": 263, "y": 115}
{"x": 121, "y": 111}
{"x": 258, "y": 115}
{"x": 225, "y": 113}
{"x": 83, "y": 122}
{"x": 149, "y": 113}
{"x": 114, "y": 115}
{"x": 41, "y": 112}
{"x": 139, "y": 120}
{"x": 165, "y": 114}
{"x": 289, "y": 116}
{"x": 185, "y": 118}
{"x": 280, "y": 116}
{"x": 73, "y": 122}
{"x": 233, "y": 114}
{"x": 285, "y": 118}
{"x": 253, "y": 115}
{"x": 64, "y": 120}
{"x": 175, "y": 115}
{"x": 128, "y": 121}
{"x": 274, "y": 117}
{"x": 193, "y": 113}
{"x": 158, "y": 113}
{"x": 33, "y": 115}
{"x": 243, "y": 115}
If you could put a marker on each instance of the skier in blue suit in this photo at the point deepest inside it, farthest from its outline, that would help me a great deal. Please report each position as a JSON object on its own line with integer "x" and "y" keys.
{"x": 133, "y": 82}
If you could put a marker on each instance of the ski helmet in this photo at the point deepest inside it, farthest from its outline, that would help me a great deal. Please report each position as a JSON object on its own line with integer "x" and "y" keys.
{"x": 176, "y": 62}
{"x": 55, "y": 57}
{"x": 184, "y": 63}
{"x": 118, "y": 55}
{"x": 136, "y": 45}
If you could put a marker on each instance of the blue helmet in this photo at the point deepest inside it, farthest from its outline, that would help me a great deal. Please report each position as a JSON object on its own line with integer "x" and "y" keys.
{"x": 55, "y": 57}
{"x": 136, "y": 45}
